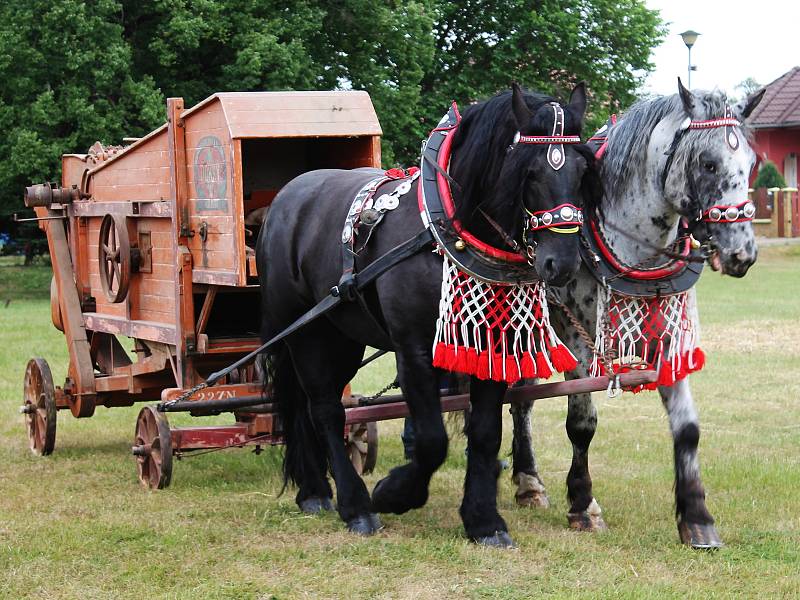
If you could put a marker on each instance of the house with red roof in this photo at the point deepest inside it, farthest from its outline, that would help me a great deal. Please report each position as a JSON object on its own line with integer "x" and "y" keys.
{"x": 776, "y": 123}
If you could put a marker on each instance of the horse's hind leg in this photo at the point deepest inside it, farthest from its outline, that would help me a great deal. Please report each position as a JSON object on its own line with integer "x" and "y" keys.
{"x": 695, "y": 523}
{"x": 482, "y": 522}
{"x": 325, "y": 361}
{"x": 530, "y": 487}
{"x": 406, "y": 487}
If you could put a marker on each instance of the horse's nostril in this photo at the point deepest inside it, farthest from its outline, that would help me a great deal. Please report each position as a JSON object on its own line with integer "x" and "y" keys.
{"x": 742, "y": 254}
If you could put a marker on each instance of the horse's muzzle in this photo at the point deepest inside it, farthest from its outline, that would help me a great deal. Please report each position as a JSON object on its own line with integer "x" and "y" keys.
{"x": 736, "y": 263}
{"x": 557, "y": 270}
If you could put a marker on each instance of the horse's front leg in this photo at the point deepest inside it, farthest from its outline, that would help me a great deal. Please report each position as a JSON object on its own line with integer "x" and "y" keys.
{"x": 482, "y": 522}
{"x": 584, "y": 511}
{"x": 695, "y": 523}
{"x": 530, "y": 487}
{"x": 406, "y": 487}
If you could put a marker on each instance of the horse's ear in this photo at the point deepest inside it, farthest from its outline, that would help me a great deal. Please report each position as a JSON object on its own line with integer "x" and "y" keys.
{"x": 522, "y": 114}
{"x": 748, "y": 105}
{"x": 577, "y": 99}
{"x": 686, "y": 98}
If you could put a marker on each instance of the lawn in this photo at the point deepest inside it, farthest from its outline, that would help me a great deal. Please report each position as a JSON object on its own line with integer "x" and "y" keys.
{"x": 78, "y": 525}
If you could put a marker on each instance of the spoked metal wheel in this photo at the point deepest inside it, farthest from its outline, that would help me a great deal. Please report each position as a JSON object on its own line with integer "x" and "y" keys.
{"x": 40, "y": 407}
{"x": 153, "y": 449}
{"x": 114, "y": 257}
{"x": 362, "y": 446}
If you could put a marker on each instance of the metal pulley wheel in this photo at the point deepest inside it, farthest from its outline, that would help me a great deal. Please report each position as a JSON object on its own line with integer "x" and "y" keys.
{"x": 362, "y": 446}
{"x": 114, "y": 258}
{"x": 153, "y": 449}
{"x": 40, "y": 407}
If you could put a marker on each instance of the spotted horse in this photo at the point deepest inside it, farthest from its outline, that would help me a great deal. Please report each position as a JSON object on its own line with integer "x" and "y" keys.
{"x": 675, "y": 175}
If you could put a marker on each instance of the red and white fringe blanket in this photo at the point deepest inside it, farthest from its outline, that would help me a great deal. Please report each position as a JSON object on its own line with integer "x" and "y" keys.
{"x": 496, "y": 331}
{"x": 658, "y": 332}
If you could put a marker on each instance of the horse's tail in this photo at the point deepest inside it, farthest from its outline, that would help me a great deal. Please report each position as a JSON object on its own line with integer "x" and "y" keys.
{"x": 287, "y": 394}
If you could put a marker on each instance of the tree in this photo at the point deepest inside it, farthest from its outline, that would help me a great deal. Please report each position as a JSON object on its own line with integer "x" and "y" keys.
{"x": 67, "y": 82}
{"x": 769, "y": 176}
{"x": 546, "y": 45}
{"x": 77, "y": 71}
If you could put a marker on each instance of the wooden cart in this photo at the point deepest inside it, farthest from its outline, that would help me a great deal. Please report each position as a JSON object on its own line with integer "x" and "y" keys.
{"x": 153, "y": 241}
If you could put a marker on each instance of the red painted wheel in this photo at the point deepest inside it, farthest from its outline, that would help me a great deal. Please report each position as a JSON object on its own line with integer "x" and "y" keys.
{"x": 40, "y": 407}
{"x": 153, "y": 449}
{"x": 114, "y": 258}
{"x": 362, "y": 447}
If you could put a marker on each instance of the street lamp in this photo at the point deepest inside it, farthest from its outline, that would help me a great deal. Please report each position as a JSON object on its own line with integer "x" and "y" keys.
{"x": 689, "y": 38}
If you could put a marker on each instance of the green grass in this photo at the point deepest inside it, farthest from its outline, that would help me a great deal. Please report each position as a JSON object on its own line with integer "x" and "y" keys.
{"x": 78, "y": 525}
{"x": 20, "y": 282}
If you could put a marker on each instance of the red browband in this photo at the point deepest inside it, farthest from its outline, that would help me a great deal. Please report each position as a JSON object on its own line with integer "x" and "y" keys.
{"x": 730, "y": 213}
{"x": 712, "y": 123}
{"x": 547, "y": 139}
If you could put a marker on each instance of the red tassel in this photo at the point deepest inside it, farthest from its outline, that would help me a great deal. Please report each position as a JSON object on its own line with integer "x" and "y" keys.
{"x": 452, "y": 358}
{"x": 482, "y": 372}
{"x": 543, "y": 370}
{"x": 471, "y": 361}
{"x": 665, "y": 376}
{"x": 460, "y": 361}
{"x": 562, "y": 359}
{"x": 439, "y": 355}
{"x": 698, "y": 359}
{"x": 512, "y": 370}
{"x": 528, "y": 366}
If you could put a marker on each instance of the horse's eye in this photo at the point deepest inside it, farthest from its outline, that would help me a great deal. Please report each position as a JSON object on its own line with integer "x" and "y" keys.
{"x": 710, "y": 167}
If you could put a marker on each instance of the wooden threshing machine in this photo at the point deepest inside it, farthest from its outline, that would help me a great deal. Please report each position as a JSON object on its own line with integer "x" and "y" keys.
{"x": 153, "y": 241}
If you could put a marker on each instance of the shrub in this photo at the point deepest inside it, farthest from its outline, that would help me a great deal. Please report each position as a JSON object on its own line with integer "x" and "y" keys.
{"x": 769, "y": 176}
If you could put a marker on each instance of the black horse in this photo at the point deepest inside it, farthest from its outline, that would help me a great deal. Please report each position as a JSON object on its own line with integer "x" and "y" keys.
{"x": 299, "y": 254}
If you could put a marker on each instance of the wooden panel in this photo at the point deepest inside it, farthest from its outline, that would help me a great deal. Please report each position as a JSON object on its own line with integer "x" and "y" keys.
{"x": 144, "y": 330}
{"x": 139, "y": 173}
{"x": 72, "y": 168}
{"x": 297, "y": 114}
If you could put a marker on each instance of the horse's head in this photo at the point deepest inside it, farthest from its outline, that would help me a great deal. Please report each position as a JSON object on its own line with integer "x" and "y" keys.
{"x": 707, "y": 181}
{"x": 553, "y": 175}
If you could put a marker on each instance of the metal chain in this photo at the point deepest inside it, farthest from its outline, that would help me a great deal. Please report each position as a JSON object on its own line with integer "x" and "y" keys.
{"x": 394, "y": 385}
{"x": 608, "y": 356}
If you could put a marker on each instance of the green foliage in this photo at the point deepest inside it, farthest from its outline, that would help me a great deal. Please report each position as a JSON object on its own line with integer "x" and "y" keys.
{"x": 769, "y": 176}
{"x": 78, "y": 71}
{"x": 67, "y": 82}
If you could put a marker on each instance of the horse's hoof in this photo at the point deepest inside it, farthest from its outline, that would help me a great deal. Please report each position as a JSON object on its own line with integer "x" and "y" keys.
{"x": 387, "y": 500}
{"x": 500, "y": 539}
{"x": 530, "y": 491}
{"x": 699, "y": 536}
{"x": 315, "y": 505}
{"x": 532, "y": 500}
{"x": 590, "y": 519}
{"x": 365, "y": 524}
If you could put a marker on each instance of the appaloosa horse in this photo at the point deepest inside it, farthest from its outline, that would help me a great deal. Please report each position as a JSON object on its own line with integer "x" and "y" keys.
{"x": 685, "y": 158}
{"x": 517, "y": 170}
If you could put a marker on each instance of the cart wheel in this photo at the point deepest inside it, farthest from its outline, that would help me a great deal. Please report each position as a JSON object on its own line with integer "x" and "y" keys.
{"x": 55, "y": 308}
{"x": 40, "y": 407}
{"x": 114, "y": 256}
{"x": 153, "y": 449}
{"x": 362, "y": 447}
